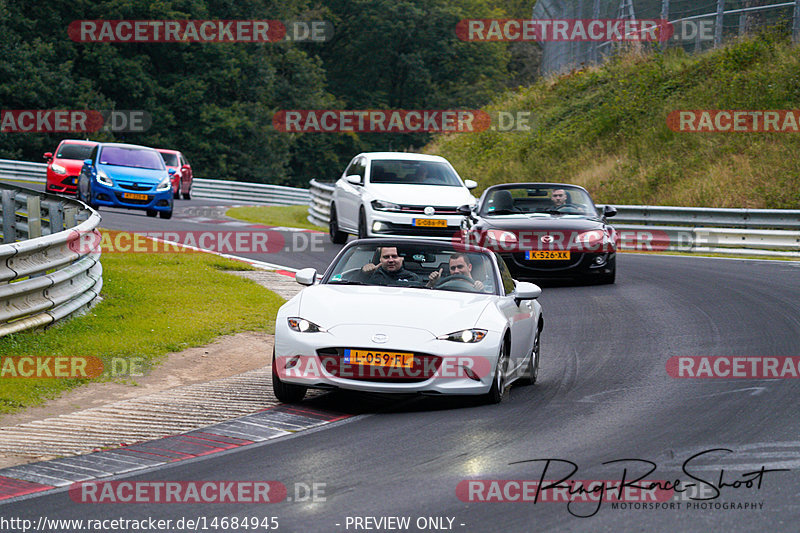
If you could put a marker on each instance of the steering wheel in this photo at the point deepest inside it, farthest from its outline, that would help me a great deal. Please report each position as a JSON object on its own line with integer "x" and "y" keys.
{"x": 455, "y": 280}
{"x": 576, "y": 207}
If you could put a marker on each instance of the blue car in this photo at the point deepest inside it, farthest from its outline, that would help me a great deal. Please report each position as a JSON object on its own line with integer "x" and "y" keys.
{"x": 129, "y": 176}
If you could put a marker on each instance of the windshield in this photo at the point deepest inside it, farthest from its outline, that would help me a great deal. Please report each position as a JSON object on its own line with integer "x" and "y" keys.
{"x": 530, "y": 198}
{"x": 402, "y": 171}
{"x": 429, "y": 267}
{"x": 77, "y": 152}
{"x": 131, "y": 157}
{"x": 171, "y": 160}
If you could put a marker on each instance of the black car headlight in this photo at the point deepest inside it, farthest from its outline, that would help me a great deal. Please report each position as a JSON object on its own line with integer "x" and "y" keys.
{"x": 302, "y": 325}
{"x": 465, "y": 335}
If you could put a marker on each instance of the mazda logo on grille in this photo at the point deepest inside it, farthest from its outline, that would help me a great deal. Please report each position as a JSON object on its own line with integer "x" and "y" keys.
{"x": 547, "y": 238}
{"x": 380, "y": 338}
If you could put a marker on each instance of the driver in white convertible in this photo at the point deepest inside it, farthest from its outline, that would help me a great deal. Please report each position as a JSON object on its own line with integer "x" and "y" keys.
{"x": 390, "y": 271}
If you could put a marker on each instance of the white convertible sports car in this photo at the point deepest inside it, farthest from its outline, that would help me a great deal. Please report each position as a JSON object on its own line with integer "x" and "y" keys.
{"x": 408, "y": 316}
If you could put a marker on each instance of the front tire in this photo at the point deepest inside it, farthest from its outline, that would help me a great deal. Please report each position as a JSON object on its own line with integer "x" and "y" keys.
{"x": 165, "y": 214}
{"x": 498, "y": 391}
{"x": 285, "y": 392}
{"x": 362, "y": 225}
{"x": 336, "y": 236}
{"x": 188, "y": 194}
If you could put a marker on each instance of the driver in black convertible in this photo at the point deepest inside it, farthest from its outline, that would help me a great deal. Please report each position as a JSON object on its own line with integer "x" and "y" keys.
{"x": 460, "y": 265}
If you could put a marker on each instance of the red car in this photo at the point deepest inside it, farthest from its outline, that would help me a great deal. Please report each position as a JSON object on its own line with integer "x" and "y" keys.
{"x": 182, "y": 179}
{"x": 63, "y": 169}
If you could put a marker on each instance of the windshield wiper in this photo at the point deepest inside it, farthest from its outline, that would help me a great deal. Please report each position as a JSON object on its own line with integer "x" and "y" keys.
{"x": 346, "y": 282}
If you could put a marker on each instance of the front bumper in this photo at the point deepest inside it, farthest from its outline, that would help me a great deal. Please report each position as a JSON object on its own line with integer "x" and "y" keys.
{"x": 580, "y": 265}
{"x": 62, "y": 183}
{"x": 394, "y": 224}
{"x": 314, "y": 360}
{"x": 103, "y": 195}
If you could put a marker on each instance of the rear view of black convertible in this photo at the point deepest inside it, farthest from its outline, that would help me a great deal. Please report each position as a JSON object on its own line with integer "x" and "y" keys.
{"x": 544, "y": 231}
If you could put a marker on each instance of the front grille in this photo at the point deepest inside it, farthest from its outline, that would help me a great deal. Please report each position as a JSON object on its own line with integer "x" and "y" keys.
{"x": 135, "y": 187}
{"x": 423, "y": 367}
{"x": 421, "y": 209}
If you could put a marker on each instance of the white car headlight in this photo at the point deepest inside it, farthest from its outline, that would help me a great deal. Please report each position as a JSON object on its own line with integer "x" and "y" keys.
{"x": 103, "y": 178}
{"x": 165, "y": 184}
{"x": 303, "y": 326}
{"x": 58, "y": 169}
{"x": 381, "y": 205}
{"x": 465, "y": 335}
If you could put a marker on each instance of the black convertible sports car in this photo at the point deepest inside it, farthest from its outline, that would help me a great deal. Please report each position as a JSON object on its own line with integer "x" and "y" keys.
{"x": 544, "y": 230}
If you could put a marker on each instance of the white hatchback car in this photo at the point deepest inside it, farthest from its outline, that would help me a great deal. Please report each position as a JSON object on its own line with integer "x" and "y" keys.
{"x": 398, "y": 194}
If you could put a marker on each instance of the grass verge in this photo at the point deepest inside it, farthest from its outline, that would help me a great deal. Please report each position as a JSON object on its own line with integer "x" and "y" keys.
{"x": 152, "y": 304}
{"x": 290, "y": 216}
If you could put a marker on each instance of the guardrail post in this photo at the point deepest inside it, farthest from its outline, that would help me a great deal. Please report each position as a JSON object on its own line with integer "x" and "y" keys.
{"x": 55, "y": 214}
{"x": 665, "y": 17}
{"x": 9, "y": 218}
{"x": 34, "y": 217}
{"x": 718, "y": 25}
{"x": 70, "y": 217}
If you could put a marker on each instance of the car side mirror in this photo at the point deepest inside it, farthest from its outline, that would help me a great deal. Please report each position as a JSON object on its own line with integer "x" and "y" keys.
{"x": 526, "y": 291}
{"x": 470, "y": 184}
{"x": 307, "y": 276}
{"x": 355, "y": 179}
{"x": 609, "y": 211}
{"x": 172, "y": 171}
{"x": 465, "y": 210}
{"x": 87, "y": 162}
{"x": 186, "y": 167}
{"x": 48, "y": 155}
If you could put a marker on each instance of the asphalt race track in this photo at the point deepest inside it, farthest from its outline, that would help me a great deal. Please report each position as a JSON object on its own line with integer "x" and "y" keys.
{"x": 604, "y": 395}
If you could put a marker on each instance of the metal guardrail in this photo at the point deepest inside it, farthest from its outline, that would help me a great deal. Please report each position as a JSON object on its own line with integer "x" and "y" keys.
{"x": 23, "y": 171}
{"x": 238, "y": 191}
{"x": 249, "y": 193}
{"x": 766, "y": 232}
{"x": 319, "y": 208}
{"x": 49, "y": 269}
